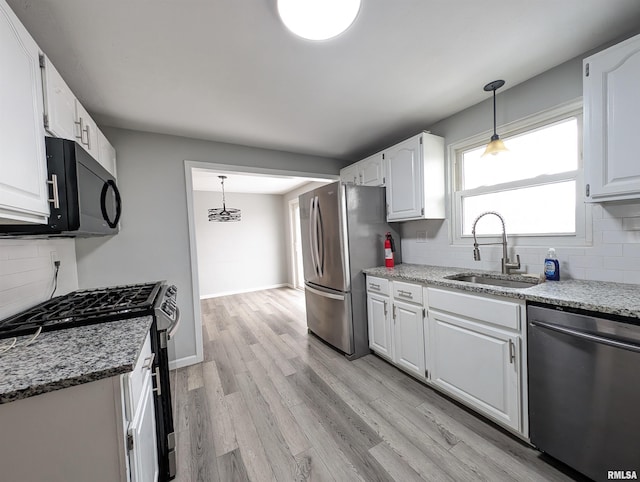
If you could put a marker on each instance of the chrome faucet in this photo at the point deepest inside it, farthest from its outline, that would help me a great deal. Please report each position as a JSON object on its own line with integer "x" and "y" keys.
{"x": 507, "y": 265}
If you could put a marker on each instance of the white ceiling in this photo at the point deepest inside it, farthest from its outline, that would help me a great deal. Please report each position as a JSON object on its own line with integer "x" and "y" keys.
{"x": 228, "y": 70}
{"x": 208, "y": 180}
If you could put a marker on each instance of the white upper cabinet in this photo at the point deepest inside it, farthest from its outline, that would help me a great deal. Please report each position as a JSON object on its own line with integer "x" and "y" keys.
{"x": 349, "y": 174}
{"x": 415, "y": 178}
{"x": 611, "y": 106}
{"x": 367, "y": 172}
{"x": 371, "y": 170}
{"x": 59, "y": 104}
{"x": 106, "y": 154}
{"x": 65, "y": 117}
{"x": 86, "y": 131}
{"x": 23, "y": 166}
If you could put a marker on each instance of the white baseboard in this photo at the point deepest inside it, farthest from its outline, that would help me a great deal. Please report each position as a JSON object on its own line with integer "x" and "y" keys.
{"x": 184, "y": 362}
{"x": 251, "y": 290}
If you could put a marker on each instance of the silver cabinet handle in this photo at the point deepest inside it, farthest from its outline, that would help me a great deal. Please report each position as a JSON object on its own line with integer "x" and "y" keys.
{"x": 88, "y": 131}
{"x": 56, "y": 196}
{"x": 156, "y": 374}
{"x": 80, "y": 124}
{"x": 394, "y": 313}
{"x": 385, "y": 309}
{"x": 406, "y": 294}
{"x": 512, "y": 352}
{"x": 374, "y": 286}
{"x": 148, "y": 362}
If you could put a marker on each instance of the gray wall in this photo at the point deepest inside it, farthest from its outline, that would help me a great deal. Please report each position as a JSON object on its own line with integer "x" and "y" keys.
{"x": 153, "y": 242}
{"x": 242, "y": 256}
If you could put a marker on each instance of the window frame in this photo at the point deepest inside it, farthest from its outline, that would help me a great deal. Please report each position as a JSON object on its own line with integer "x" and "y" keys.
{"x": 583, "y": 234}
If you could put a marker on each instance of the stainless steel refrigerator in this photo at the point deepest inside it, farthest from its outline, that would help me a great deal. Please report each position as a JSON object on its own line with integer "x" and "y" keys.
{"x": 342, "y": 230}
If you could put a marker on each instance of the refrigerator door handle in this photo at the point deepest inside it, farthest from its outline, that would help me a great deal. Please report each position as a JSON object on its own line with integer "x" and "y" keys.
{"x": 312, "y": 234}
{"x": 324, "y": 293}
{"x": 320, "y": 239}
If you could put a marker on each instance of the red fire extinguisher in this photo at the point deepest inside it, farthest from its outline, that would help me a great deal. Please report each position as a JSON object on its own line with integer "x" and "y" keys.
{"x": 389, "y": 249}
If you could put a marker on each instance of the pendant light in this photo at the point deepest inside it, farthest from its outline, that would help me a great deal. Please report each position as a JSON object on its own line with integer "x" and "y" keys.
{"x": 224, "y": 215}
{"x": 318, "y": 19}
{"x": 496, "y": 146}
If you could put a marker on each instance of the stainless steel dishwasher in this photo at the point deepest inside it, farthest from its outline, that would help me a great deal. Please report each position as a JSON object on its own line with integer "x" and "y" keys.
{"x": 584, "y": 389}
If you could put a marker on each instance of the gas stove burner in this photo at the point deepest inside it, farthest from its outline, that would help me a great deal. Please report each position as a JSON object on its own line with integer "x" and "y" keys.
{"x": 84, "y": 307}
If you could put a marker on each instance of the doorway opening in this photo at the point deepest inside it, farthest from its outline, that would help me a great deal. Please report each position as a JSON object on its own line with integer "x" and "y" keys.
{"x": 296, "y": 244}
{"x": 218, "y": 260}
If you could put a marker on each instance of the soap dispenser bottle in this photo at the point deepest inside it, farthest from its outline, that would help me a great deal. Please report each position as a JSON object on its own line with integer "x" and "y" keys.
{"x": 551, "y": 266}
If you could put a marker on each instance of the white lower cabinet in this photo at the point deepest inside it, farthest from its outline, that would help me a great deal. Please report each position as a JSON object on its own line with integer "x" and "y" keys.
{"x": 102, "y": 431}
{"x": 143, "y": 456}
{"x": 396, "y": 327}
{"x": 408, "y": 329}
{"x": 378, "y": 307}
{"x": 470, "y": 346}
{"x": 477, "y": 364}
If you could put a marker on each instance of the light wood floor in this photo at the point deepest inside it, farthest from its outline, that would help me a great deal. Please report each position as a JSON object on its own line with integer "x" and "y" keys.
{"x": 271, "y": 402}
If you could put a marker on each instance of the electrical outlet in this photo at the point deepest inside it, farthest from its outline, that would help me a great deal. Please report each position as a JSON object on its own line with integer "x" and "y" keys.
{"x": 421, "y": 237}
{"x": 55, "y": 259}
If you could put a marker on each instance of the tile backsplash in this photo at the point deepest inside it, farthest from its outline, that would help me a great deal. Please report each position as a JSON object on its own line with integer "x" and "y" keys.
{"x": 27, "y": 271}
{"x": 613, "y": 256}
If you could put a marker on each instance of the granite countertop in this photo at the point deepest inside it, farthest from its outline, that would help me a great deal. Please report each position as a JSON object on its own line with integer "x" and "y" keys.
{"x": 64, "y": 358}
{"x": 599, "y": 296}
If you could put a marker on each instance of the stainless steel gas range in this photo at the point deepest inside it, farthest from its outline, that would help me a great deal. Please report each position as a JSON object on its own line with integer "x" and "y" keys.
{"x": 85, "y": 307}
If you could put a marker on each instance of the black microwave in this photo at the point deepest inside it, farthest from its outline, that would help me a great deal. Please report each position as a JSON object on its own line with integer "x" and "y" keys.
{"x": 85, "y": 200}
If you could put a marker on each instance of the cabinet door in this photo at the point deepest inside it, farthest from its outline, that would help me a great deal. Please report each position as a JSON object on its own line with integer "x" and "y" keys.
{"x": 23, "y": 168}
{"x": 611, "y": 106}
{"x": 476, "y": 364}
{"x": 106, "y": 154}
{"x": 349, "y": 174}
{"x": 408, "y": 336}
{"x": 60, "y": 104}
{"x": 404, "y": 180}
{"x": 143, "y": 456}
{"x": 371, "y": 170}
{"x": 86, "y": 131}
{"x": 379, "y": 324}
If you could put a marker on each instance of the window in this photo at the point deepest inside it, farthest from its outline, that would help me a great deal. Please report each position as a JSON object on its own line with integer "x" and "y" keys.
{"x": 536, "y": 186}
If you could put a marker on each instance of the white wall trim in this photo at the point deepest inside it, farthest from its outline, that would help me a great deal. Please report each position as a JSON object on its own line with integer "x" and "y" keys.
{"x": 184, "y": 362}
{"x": 252, "y": 290}
{"x": 195, "y": 283}
{"x": 193, "y": 252}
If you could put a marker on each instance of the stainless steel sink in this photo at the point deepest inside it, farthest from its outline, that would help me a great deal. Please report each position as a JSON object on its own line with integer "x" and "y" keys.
{"x": 495, "y": 281}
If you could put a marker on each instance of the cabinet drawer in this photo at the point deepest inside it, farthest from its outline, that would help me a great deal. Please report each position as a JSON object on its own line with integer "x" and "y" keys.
{"x": 407, "y": 292}
{"x": 377, "y": 285}
{"x": 135, "y": 380}
{"x": 489, "y": 310}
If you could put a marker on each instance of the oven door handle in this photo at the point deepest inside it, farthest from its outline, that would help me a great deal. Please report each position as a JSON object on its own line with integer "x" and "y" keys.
{"x": 171, "y": 331}
{"x": 586, "y": 336}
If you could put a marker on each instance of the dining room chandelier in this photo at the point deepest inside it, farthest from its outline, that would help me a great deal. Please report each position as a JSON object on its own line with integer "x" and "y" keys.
{"x": 224, "y": 214}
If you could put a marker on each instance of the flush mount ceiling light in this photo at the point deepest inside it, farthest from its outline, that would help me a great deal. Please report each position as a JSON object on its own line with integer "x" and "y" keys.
{"x": 224, "y": 215}
{"x": 496, "y": 146}
{"x": 318, "y": 19}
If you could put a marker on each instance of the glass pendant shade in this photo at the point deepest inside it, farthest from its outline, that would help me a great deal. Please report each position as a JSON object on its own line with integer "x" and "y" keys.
{"x": 495, "y": 147}
{"x": 224, "y": 214}
{"x": 318, "y": 19}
